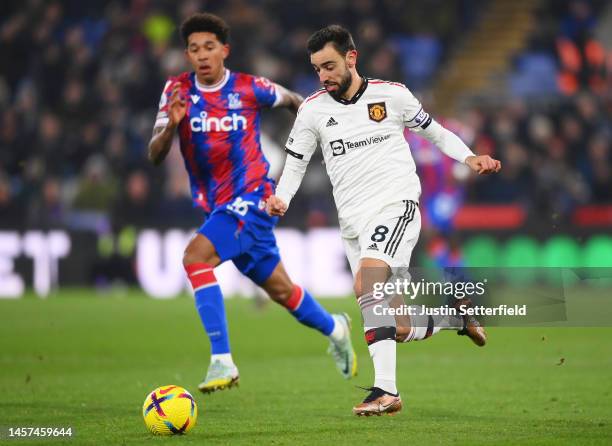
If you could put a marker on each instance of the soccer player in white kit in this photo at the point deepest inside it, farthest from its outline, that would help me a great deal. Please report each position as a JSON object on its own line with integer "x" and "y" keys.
{"x": 359, "y": 124}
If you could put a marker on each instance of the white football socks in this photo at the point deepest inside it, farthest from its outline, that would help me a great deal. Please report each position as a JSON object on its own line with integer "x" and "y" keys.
{"x": 224, "y": 358}
{"x": 383, "y": 357}
{"x": 339, "y": 332}
{"x": 382, "y": 351}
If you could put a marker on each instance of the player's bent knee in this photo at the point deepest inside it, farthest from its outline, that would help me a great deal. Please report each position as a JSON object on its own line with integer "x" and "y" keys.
{"x": 358, "y": 289}
{"x": 193, "y": 255}
{"x": 190, "y": 257}
{"x": 281, "y": 293}
{"x": 401, "y": 333}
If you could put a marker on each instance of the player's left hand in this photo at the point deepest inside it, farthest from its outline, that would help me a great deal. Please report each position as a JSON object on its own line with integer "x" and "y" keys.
{"x": 275, "y": 206}
{"x": 483, "y": 164}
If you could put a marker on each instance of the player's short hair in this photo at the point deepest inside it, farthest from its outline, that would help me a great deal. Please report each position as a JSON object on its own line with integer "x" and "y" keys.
{"x": 338, "y": 36}
{"x": 204, "y": 22}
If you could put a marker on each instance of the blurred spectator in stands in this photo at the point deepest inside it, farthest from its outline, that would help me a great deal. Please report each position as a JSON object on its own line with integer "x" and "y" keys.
{"x": 592, "y": 116}
{"x": 115, "y": 151}
{"x": 559, "y": 187}
{"x": 135, "y": 206}
{"x": 79, "y": 95}
{"x": 442, "y": 178}
{"x": 384, "y": 65}
{"x": 133, "y": 210}
{"x": 540, "y": 131}
{"x": 47, "y": 209}
{"x": 12, "y": 142}
{"x": 578, "y": 21}
{"x": 97, "y": 187}
{"x": 176, "y": 207}
{"x": 49, "y": 146}
{"x": 15, "y": 42}
{"x": 514, "y": 183}
{"x": 11, "y": 211}
{"x": 95, "y": 194}
{"x": 572, "y": 132}
{"x": 596, "y": 169}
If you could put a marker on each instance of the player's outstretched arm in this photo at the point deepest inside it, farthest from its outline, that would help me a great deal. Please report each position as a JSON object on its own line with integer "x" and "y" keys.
{"x": 289, "y": 99}
{"x": 454, "y": 147}
{"x": 289, "y": 183}
{"x": 161, "y": 142}
{"x": 301, "y": 144}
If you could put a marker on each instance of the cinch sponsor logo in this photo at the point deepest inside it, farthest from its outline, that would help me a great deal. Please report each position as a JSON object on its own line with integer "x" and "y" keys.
{"x": 339, "y": 146}
{"x": 214, "y": 124}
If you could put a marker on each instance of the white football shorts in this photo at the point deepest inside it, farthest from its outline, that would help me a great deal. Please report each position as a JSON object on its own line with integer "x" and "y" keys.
{"x": 390, "y": 236}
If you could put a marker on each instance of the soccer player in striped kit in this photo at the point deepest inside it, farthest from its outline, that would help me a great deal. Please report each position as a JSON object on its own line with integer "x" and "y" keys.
{"x": 359, "y": 124}
{"x": 216, "y": 113}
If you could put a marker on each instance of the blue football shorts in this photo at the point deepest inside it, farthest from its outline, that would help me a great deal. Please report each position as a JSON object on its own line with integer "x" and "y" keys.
{"x": 241, "y": 231}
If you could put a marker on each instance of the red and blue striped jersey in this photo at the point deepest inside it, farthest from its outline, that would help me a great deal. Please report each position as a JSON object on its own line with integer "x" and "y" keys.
{"x": 435, "y": 169}
{"x": 220, "y": 135}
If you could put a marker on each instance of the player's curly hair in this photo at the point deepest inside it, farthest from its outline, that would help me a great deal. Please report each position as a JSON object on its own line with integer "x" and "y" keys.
{"x": 203, "y": 22}
{"x": 340, "y": 38}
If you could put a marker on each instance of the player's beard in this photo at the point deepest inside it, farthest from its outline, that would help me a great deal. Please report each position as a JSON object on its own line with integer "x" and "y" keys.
{"x": 343, "y": 85}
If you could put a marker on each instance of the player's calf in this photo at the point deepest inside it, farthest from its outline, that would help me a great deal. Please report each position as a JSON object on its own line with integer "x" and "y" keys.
{"x": 211, "y": 309}
{"x": 419, "y": 327}
{"x": 280, "y": 291}
{"x": 380, "y": 336}
{"x": 378, "y": 324}
{"x": 306, "y": 310}
{"x": 298, "y": 301}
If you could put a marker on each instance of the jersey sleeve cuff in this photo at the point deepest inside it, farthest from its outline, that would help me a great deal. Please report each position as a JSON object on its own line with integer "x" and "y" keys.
{"x": 279, "y": 97}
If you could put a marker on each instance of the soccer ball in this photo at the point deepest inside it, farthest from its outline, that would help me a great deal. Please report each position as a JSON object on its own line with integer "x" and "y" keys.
{"x": 169, "y": 410}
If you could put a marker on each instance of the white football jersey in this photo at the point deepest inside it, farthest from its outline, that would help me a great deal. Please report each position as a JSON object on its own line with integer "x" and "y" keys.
{"x": 366, "y": 155}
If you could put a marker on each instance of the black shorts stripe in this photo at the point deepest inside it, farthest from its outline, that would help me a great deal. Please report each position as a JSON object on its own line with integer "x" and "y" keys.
{"x": 430, "y": 327}
{"x": 395, "y": 244}
{"x": 397, "y": 225}
{"x": 406, "y": 221}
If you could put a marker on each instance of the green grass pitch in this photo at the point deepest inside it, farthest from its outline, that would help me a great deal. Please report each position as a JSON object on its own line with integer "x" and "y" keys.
{"x": 81, "y": 360}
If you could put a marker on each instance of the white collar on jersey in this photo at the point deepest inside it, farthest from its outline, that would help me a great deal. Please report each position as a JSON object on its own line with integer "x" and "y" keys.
{"x": 216, "y": 87}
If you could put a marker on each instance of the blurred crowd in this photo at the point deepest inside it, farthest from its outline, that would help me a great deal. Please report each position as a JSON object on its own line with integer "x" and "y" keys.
{"x": 80, "y": 82}
{"x": 555, "y": 156}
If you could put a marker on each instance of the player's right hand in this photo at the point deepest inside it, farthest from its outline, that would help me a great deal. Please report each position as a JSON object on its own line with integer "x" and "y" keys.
{"x": 177, "y": 106}
{"x": 483, "y": 164}
{"x": 275, "y": 206}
